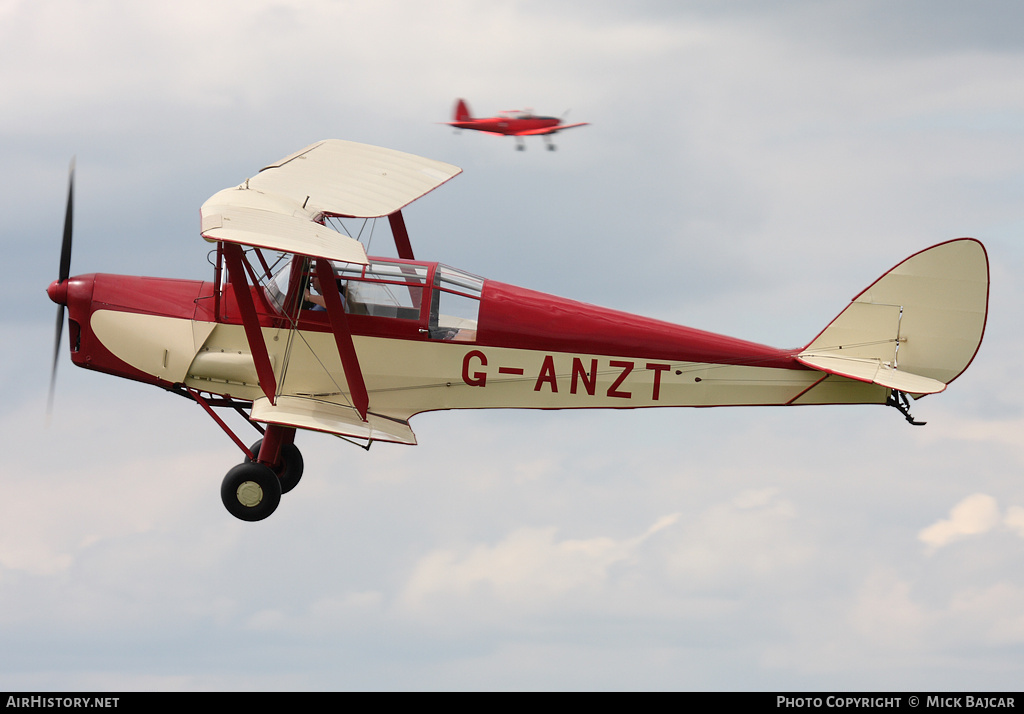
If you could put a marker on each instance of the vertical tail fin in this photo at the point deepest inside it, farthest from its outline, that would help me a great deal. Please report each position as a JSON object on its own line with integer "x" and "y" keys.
{"x": 916, "y": 328}
{"x": 462, "y": 111}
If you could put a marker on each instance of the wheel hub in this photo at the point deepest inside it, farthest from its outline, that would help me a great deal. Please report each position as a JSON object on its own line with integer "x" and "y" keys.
{"x": 249, "y": 494}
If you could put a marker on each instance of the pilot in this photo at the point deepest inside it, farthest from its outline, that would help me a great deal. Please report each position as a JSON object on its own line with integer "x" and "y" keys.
{"x": 317, "y": 299}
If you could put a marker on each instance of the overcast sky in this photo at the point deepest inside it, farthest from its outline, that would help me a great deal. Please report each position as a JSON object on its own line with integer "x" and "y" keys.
{"x": 750, "y": 167}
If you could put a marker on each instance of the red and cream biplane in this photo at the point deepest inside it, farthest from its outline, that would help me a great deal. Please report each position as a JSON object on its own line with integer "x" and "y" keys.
{"x": 300, "y": 329}
{"x": 517, "y": 123}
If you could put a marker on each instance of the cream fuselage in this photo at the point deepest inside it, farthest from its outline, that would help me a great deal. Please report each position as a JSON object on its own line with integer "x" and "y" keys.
{"x": 529, "y": 350}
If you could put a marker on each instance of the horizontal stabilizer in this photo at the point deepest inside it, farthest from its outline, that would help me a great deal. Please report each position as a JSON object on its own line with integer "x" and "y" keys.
{"x": 341, "y": 419}
{"x": 874, "y": 372}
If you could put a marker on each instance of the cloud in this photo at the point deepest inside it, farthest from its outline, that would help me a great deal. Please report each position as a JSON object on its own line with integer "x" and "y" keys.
{"x": 530, "y": 566}
{"x": 888, "y": 624}
{"x": 1015, "y": 520}
{"x": 978, "y": 513}
{"x": 886, "y": 613}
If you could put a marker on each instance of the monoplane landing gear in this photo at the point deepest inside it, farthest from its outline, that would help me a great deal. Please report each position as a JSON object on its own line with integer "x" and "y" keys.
{"x": 551, "y": 144}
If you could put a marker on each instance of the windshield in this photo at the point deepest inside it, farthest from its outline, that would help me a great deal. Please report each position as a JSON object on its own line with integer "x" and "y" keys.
{"x": 277, "y": 287}
{"x": 456, "y": 305}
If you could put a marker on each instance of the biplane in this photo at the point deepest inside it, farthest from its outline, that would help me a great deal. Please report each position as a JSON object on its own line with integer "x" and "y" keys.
{"x": 300, "y": 329}
{"x": 517, "y": 123}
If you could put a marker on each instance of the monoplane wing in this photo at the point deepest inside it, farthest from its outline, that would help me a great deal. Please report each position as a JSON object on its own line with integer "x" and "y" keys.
{"x": 480, "y": 129}
{"x": 549, "y": 129}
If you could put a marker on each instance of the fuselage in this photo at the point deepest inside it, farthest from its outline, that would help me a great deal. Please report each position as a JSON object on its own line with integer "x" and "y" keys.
{"x": 510, "y": 126}
{"x": 429, "y": 337}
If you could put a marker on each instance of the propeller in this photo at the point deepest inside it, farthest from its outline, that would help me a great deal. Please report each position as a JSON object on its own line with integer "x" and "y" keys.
{"x": 62, "y": 276}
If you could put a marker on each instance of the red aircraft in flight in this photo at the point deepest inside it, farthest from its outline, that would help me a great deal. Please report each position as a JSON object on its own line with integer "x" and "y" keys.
{"x": 517, "y": 123}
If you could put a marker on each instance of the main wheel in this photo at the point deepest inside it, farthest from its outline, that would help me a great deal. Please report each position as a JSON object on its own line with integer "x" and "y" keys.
{"x": 291, "y": 465}
{"x": 250, "y": 491}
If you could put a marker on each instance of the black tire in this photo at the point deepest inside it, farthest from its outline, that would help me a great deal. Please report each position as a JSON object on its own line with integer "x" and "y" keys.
{"x": 291, "y": 465}
{"x": 250, "y": 491}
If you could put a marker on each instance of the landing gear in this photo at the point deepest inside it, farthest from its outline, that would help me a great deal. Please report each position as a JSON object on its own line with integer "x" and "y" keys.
{"x": 250, "y": 491}
{"x": 273, "y": 465}
{"x": 290, "y": 469}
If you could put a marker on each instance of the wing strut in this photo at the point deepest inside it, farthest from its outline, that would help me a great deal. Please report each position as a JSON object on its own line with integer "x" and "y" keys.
{"x": 401, "y": 235}
{"x": 253, "y": 333}
{"x": 342, "y": 336}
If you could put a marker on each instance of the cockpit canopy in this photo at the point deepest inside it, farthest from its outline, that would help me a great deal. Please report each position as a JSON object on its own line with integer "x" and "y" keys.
{"x": 392, "y": 290}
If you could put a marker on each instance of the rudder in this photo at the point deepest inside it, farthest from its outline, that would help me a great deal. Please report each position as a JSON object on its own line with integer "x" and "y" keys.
{"x": 462, "y": 111}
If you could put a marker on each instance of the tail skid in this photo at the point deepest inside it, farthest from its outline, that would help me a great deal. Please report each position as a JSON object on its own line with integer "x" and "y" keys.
{"x": 915, "y": 329}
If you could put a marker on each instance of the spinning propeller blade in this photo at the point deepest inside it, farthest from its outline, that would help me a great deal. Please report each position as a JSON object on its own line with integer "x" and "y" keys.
{"x": 63, "y": 274}
{"x": 65, "y": 248}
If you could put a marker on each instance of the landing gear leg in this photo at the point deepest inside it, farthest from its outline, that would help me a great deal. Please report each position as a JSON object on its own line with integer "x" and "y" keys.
{"x": 252, "y": 490}
{"x": 289, "y": 466}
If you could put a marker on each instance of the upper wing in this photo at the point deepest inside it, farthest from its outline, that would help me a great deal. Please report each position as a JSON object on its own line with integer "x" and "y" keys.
{"x": 280, "y": 208}
{"x": 549, "y": 129}
{"x": 343, "y": 178}
{"x": 248, "y": 217}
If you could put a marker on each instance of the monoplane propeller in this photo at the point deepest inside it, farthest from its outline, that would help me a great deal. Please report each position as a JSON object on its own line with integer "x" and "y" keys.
{"x": 62, "y": 276}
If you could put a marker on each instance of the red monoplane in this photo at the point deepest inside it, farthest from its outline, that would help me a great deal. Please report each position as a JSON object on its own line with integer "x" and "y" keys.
{"x": 517, "y": 123}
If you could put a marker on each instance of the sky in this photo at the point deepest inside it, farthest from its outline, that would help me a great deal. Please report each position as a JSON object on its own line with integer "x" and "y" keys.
{"x": 749, "y": 168}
